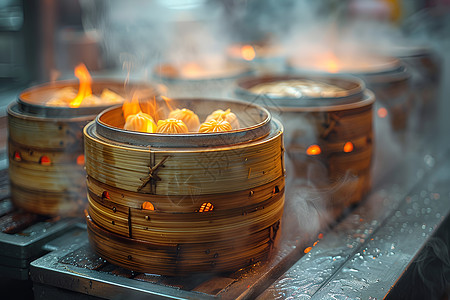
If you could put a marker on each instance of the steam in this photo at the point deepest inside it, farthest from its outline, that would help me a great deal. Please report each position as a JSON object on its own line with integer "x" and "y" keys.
{"x": 138, "y": 35}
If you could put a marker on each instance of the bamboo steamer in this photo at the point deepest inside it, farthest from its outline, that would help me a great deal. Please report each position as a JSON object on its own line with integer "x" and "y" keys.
{"x": 192, "y": 79}
{"x": 338, "y": 125}
{"x": 46, "y": 160}
{"x": 216, "y": 198}
{"x": 386, "y": 76}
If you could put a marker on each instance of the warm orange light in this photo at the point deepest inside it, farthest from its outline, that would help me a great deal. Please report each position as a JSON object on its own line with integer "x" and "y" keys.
{"x": 167, "y": 100}
{"x": 17, "y": 156}
{"x": 192, "y": 70}
{"x": 45, "y": 160}
{"x": 80, "y": 160}
{"x": 105, "y": 195}
{"x": 248, "y": 52}
{"x": 313, "y": 150}
{"x": 307, "y": 249}
{"x": 131, "y": 107}
{"x": 148, "y": 206}
{"x": 382, "y": 112}
{"x": 320, "y": 236}
{"x": 331, "y": 63}
{"x": 82, "y": 73}
{"x": 206, "y": 207}
{"x": 348, "y": 147}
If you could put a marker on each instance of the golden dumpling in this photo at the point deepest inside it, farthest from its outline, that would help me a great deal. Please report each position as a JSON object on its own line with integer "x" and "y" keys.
{"x": 171, "y": 126}
{"x": 187, "y": 116}
{"x": 227, "y": 115}
{"x": 215, "y": 126}
{"x": 140, "y": 122}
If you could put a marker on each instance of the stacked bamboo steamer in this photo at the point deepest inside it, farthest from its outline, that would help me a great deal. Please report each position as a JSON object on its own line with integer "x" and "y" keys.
{"x": 174, "y": 204}
{"x": 46, "y": 160}
{"x": 329, "y": 133}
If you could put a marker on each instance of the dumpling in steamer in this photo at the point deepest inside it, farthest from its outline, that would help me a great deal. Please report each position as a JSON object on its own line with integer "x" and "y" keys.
{"x": 215, "y": 126}
{"x": 140, "y": 122}
{"x": 226, "y": 115}
{"x": 171, "y": 126}
{"x": 187, "y": 116}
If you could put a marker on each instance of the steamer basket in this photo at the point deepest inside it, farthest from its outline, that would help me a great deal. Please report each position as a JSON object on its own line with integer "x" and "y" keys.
{"x": 216, "y": 198}
{"x": 386, "y": 76}
{"x": 211, "y": 82}
{"x": 46, "y": 160}
{"x": 329, "y": 122}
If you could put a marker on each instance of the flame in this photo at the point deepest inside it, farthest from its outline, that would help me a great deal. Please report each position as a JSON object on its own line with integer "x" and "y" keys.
{"x": 82, "y": 73}
{"x": 307, "y": 250}
{"x": 313, "y": 150}
{"x": 131, "y": 107}
{"x": 168, "y": 100}
{"x": 248, "y": 52}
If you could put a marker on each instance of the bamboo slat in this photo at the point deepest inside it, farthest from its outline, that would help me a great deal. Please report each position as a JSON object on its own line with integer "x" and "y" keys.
{"x": 155, "y": 226}
{"x": 186, "y": 171}
{"x": 183, "y": 259}
{"x": 181, "y": 203}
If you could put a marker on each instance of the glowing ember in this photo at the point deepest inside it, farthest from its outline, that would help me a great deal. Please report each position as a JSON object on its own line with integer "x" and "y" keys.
{"x": 80, "y": 160}
{"x": 206, "y": 207}
{"x": 313, "y": 150}
{"x": 248, "y": 52}
{"x": 307, "y": 250}
{"x": 17, "y": 156}
{"x": 348, "y": 147}
{"x": 45, "y": 160}
{"x": 382, "y": 112}
{"x": 148, "y": 206}
{"x": 85, "y": 90}
{"x": 215, "y": 126}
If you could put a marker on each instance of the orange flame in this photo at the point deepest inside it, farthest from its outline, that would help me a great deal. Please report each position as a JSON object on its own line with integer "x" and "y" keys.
{"x": 313, "y": 150}
{"x": 248, "y": 52}
{"x": 82, "y": 73}
{"x": 168, "y": 100}
{"x": 131, "y": 107}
